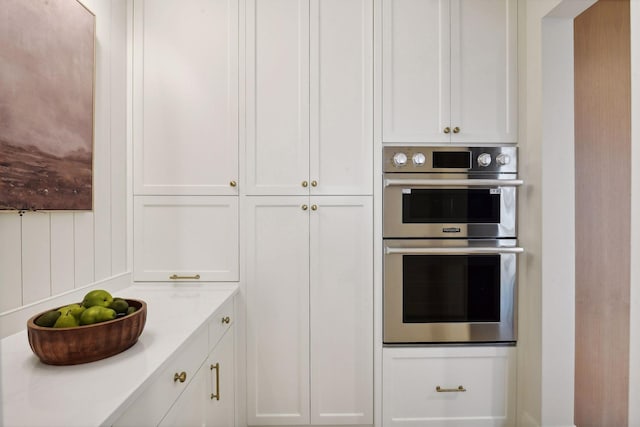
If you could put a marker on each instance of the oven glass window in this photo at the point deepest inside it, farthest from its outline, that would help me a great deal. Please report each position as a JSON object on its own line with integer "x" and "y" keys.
{"x": 451, "y": 288}
{"x": 446, "y": 206}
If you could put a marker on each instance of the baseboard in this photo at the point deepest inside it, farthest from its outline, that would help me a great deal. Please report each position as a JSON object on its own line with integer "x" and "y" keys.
{"x": 15, "y": 320}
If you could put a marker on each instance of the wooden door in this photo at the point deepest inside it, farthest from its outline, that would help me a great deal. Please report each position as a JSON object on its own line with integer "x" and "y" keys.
{"x": 603, "y": 204}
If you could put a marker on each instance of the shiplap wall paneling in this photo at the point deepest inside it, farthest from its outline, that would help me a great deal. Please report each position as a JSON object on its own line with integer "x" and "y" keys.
{"x": 118, "y": 146}
{"x": 84, "y": 248}
{"x": 10, "y": 262}
{"x": 36, "y": 255}
{"x": 62, "y": 252}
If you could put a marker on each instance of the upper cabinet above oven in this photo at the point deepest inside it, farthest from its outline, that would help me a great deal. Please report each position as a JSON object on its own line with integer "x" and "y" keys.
{"x": 449, "y": 71}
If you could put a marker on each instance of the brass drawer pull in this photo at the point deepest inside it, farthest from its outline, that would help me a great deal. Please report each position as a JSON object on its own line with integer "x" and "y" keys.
{"x": 233, "y": 183}
{"x": 226, "y": 320}
{"x": 447, "y": 129}
{"x": 176, "y": 277}
{"x": 450, "y": 390}
{"x": 314, "y": 183}
{"x": 456, "y": 129}
{"x": 182, "y": 377}
{"x": 217, "y": 393}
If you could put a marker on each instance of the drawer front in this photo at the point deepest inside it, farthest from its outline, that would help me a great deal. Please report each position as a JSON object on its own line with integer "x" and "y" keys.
{"x": 157, "y": 398}
{"x": 465, "y": 386}
{"x": 221, "y": 321}
{"x": 185, "y": 238}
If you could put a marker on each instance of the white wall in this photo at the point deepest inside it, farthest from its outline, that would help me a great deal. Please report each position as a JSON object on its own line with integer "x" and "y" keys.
{"x": 45, "y": 254}
{"x": 546, "y": 229}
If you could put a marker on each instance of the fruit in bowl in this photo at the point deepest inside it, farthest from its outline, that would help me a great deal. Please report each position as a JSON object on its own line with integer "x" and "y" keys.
{"x": 81, "y": 332}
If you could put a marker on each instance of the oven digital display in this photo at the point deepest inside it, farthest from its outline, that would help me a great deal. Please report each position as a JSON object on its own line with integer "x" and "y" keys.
{"x": 452, "y": 159}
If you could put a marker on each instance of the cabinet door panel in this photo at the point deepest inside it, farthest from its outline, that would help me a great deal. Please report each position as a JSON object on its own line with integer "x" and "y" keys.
{"x": 277, "y": 73}
{"x": 186, "y": 236}
{"x": 188, "y": 410}
{"x": 277, "y": 260}
{"x": 220, "y": 412}
{"x": 483, "y": 70}
{"x": 185, "y": 87}
{"x": 416, "y": 70}
{"x": 341, "y": 117}
{"x": 341, "y": 295}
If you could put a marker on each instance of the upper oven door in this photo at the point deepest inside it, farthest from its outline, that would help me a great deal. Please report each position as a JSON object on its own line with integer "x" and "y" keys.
{"x": 449, "y": 205}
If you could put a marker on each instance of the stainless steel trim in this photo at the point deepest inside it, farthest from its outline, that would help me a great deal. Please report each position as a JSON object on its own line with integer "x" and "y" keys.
{"x": 453, "y": 182}
{"x": 452, "y": 251}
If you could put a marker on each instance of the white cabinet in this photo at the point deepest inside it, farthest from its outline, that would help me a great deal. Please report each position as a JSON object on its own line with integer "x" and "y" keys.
{"x": 449, "y": 386}
{"x": 309, "y": 97}
{"x": 449, "y": 71}
{"x": 188, "y": 238}
{"x": 310, "y": 310}
{"x": 196, "y": 388}
{"x": 185, "y": 97}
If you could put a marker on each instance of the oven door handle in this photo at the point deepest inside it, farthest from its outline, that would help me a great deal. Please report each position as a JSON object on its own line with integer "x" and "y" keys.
{"x": 453, "y": 182}
{"x": 453, "y": 251}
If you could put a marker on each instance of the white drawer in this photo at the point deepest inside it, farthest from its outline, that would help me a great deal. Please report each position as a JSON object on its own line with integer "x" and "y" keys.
{"x": 221, "y": 321}
{"x": 158, "y": 397}
{"x": 411, "y": 377}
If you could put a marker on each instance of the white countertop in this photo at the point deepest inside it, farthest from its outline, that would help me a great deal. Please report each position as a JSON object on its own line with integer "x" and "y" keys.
{"x": 96, "y": 393}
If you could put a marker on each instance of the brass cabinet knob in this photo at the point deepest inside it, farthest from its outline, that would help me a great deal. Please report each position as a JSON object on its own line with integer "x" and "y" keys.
{"x": 305, "y": 207}
{"x": 226, "y": 320}
{"x": 447, "y": 129}
{"x": 314, "y": 183}
{"x": 314, "y": 207}
{"x": 182, "y": 377}
{"x": 233, "y": 183}
{"x": 456, "y": 129}
{"x": 305, "y": 184}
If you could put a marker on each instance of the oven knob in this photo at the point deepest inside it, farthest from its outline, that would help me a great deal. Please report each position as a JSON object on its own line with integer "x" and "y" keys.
{"x": 484, "y": 160}
{"x": 399, "y": 159}
{"x": 419, "y": 159}
{"x": 503, "y": 159}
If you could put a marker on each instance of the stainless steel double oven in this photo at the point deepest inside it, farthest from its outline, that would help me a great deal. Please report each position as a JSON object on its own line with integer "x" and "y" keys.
{"x": 450, "y": 244}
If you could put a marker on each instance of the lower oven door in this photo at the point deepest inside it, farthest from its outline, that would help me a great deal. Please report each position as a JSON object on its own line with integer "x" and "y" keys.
{"x": 450, "y": 291}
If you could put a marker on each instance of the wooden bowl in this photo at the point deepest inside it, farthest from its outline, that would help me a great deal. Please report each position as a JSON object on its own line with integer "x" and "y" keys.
{"x": 87, "y": 343}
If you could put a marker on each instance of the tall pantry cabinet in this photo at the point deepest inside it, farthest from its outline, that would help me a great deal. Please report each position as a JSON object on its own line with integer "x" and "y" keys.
{"x": 185, "y": 133}
{"x": 308, "y": 213}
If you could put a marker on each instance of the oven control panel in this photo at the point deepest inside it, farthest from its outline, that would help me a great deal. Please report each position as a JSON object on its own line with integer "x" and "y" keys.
{"x": 416, "y": 159}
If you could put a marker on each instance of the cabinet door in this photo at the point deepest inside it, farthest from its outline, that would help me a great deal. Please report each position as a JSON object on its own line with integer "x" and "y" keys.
{"x": 277, "y": 272}
{"x": 483, "y": 71}
{"x": 341, "y": 300}
{"x": 415, "y": 71}
{"x": 411, "y": 376}
{"x": 341, "y": 78}
{"x": 185, "y": 97}
{"x": 220, "y": 406}
{"x": 189, "y": 409}
{"x": 277, "y": 96}
{"x": 185, "y": 238}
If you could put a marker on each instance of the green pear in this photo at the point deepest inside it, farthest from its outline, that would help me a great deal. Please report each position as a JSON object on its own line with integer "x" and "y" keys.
{"x": 119, "y": 305}
{"x": 97, "y": 314}
{"x": 76, "y": 310}
{"x": 66, "y": 320}
{"x": 98, "y": 297}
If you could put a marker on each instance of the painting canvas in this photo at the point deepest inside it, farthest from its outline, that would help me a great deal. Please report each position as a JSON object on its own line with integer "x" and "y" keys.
{"x": 47, "y": 55}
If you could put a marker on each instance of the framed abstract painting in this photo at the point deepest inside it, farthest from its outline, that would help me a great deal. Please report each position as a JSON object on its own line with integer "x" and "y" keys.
{"x": 47, "y": 79}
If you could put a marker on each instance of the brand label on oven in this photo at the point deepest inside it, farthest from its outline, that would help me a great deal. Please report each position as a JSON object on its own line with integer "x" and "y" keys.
{"x": 495, "y": 190}
{"x": 451, "y": 230}
{"x": 406, "y": 191}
